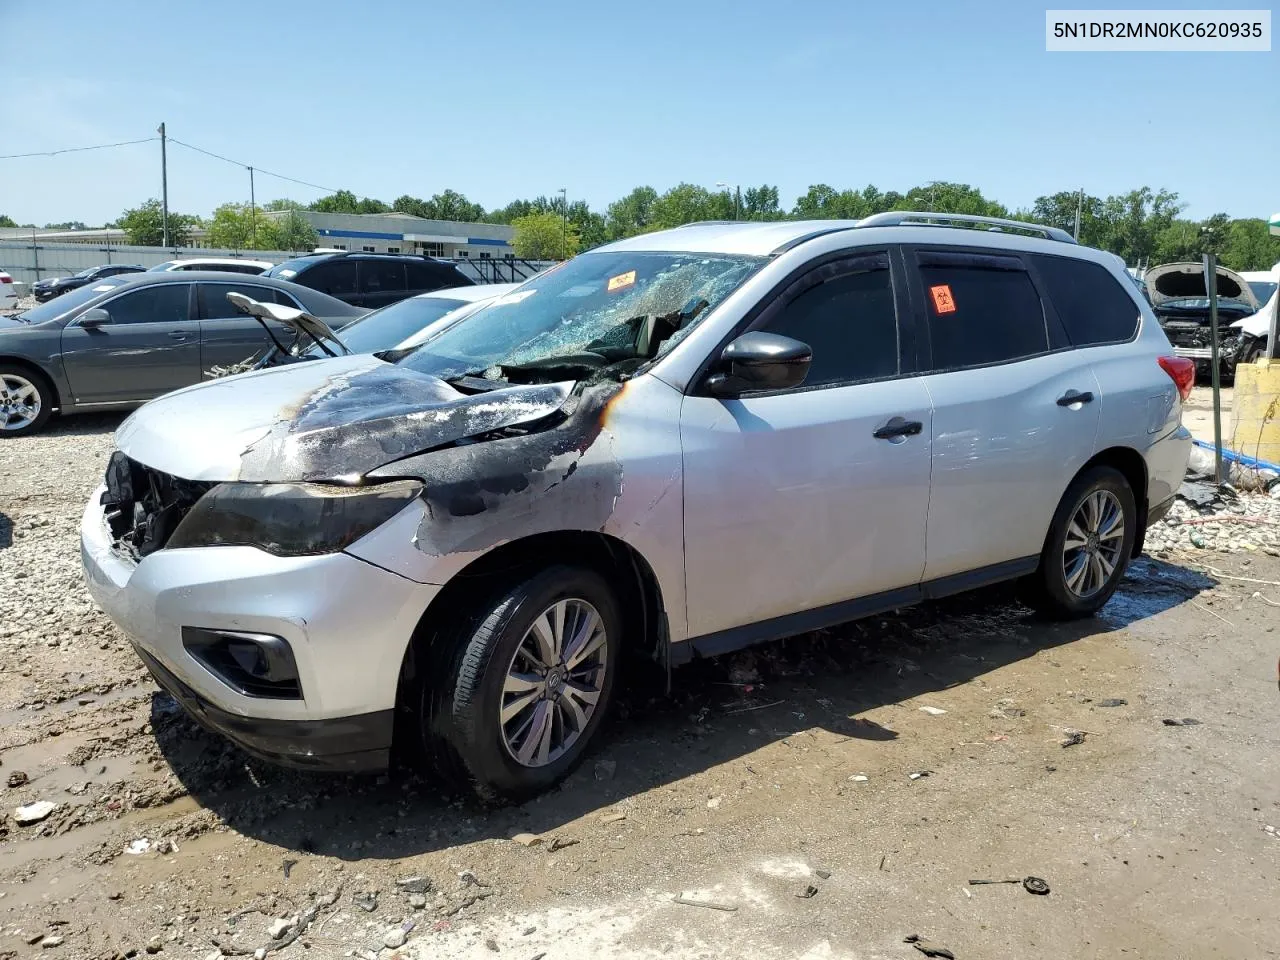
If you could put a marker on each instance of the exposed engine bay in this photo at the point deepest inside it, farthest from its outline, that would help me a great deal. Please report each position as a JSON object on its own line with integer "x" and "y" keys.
{"x": 145, "y": 506}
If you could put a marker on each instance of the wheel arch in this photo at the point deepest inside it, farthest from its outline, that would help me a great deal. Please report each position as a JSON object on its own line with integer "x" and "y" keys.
{"x": 7, "y": 360}
{"x": 622, "y": 565}
{"x": 1134, "y": 468}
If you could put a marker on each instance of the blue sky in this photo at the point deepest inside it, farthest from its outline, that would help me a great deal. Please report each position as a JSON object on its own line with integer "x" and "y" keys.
{"x": 502, "y": 100}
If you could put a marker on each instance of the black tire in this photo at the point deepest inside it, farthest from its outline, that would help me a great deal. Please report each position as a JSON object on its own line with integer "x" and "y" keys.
{"x": 1048, "y": 589}
{"x": 44, "y": 392}
{"x": 460, "y": 700}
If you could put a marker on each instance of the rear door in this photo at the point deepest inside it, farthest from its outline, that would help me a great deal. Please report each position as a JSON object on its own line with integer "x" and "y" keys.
{"x": 151, "y": 346}
{"x": 1015, "y": 409}
{"x": 228, "y": 337}
{"x": 427, "y": 275}
{"x": 380, "y": 283}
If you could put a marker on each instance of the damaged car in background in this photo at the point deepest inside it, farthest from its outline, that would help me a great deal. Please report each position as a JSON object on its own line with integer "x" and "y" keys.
{"x": 669, "y": 447}
{"x": 1180, "y": 298}
{"x": 123, "y": 340}
{"x": 402, "y": 325}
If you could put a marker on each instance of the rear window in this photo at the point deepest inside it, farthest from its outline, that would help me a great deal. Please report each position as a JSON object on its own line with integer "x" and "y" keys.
{"x": 1090, "y": 301}
{"x": 427, "y": 275}
{"x": 381, "y": 276}
{"x": 291, "y": 268}
{"x": 982, "y": 309}
{"x": 385, "y": 328}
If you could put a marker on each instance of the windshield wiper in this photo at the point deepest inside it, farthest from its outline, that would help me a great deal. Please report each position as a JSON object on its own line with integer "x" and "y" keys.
{"x": 475, "y": 381}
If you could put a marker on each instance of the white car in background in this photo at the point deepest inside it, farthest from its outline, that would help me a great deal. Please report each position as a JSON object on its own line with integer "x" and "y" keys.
{"x": 226, "y": 264}
{"x": 8, "y": 291}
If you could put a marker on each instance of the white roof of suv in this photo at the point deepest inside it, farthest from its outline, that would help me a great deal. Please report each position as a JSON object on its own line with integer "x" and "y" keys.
{"x": 237, "y": 264}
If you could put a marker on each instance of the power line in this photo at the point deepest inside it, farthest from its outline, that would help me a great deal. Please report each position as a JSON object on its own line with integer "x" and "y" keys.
{"x": 54, "y": 153}
{"x": 278, "y": 176}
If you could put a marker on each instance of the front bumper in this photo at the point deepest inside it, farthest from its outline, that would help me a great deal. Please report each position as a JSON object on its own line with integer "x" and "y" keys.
{"x": 360, "y": 744}
{"x": 347, "y": 622}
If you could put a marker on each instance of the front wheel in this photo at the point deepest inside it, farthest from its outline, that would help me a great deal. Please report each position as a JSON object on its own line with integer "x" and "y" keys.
{"x": 1088, "y": 546}
{"x": 522, "y": 685}
{"x": 26, "y": 401}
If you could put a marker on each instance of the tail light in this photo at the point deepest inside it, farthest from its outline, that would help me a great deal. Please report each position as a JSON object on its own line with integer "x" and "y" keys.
{"x": 1181, "y": 371}
{"x": 5, "y": 278}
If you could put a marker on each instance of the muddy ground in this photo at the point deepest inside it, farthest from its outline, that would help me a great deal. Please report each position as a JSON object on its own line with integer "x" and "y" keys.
{"x": 778, "y": 787}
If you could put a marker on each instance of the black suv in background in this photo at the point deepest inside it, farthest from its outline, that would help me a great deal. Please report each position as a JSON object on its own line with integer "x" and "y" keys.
{"x": 51, "y": 287}
{"x": 370, "y": 279}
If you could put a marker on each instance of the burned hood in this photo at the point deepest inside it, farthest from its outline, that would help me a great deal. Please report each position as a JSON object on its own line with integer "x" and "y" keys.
{"x": 319, "y": 421}
{"x": 1181, "y": 281}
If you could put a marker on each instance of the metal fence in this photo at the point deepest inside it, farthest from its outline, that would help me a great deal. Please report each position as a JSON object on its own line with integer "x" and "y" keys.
{"x": 28, "y": 261}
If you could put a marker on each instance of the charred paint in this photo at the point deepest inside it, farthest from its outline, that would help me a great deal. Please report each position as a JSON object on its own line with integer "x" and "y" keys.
{"x": 563, "y": 477}
{"x": 361, "y": 420}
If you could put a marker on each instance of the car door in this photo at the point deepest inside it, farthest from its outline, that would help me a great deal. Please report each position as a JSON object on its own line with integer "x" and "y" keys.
{"x": 336, "y": 277}
{"x": 799, "y": 499}
{"x": 151, "y": 345}
{"x": 227, "y": 336}
{"x": 1015, "y": 409}
{"x": 381, "y": 283}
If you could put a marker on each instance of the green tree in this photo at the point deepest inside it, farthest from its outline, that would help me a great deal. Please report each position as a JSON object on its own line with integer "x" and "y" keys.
{"x": 292, "y": 231}
{"x": 543, "y": 236}
{"x": 67, "y": 225}
{"x": 7, "y": 221}
{"x": 283, "y": 204}
{"x": 944, "y": 197}
{"x": 144, "y": 225}
{"x": 631, "y": 214}
{"x": 451, "y": 205}
{"x": 413, "y": 206}
{"x": 761, "y": 203}
{"x": 233, "y": 227}
{"x": 688, "y": 203}
{"x": 1250, "y": 246}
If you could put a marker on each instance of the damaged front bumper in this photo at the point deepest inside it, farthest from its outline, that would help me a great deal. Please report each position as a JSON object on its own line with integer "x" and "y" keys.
{"x": 346, "y": 622}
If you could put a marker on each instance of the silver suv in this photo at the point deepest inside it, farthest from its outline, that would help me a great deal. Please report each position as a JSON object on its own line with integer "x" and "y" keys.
{"x": 672, "y": 446}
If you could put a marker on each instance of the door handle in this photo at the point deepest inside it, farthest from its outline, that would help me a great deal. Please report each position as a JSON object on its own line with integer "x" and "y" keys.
{"x": 177, "y": 334}
{"x": 898, "y": 427}
{"x": 1072, "y": 396}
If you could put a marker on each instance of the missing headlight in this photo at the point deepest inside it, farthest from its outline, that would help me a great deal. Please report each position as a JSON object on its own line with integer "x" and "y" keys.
{"x": 291, "y": 519}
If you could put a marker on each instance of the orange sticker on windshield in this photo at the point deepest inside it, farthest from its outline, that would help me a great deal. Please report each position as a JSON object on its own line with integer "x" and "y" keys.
{"x": 622, "y": 281}
{"x": 942, "y": 299}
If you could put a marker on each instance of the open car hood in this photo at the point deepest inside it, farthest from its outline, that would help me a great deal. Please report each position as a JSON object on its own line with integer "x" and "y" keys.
{"x": 324, "y": 420}
{"x": 1181, "y": 281}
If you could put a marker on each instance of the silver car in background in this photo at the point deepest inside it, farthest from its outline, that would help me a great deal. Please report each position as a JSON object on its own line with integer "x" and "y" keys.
{"x": 672, "y": 446}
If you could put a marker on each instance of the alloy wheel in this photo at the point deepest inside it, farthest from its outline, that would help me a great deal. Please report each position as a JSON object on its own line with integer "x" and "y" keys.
{"x": 554, "y": 682}
{"x": 1091, "y": 549}
{"x": 19, "y": 402}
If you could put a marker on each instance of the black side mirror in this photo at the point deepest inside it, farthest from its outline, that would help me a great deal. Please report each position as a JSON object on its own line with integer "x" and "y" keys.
{"x": 94, "y": 318}
{"x": 760, "y": 361}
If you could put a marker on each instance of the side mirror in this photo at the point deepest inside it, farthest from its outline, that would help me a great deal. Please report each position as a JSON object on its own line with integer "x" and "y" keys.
{"x": 93, "y": 319}
{"x": 760, "y": 361}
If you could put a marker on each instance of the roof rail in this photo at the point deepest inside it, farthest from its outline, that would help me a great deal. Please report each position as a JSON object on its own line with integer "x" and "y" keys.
{"x": 896, "y": 218}
{"x": 710, "y": 223}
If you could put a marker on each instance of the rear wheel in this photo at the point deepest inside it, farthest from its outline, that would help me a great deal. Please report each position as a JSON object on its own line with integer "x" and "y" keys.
{"x": 1088, "y": 546}
{"x": 521, "y": 686}
{"x": 26, "y": 401}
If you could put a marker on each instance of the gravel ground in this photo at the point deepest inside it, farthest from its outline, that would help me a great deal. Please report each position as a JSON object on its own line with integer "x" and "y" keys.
{"x": 804, "y": 786}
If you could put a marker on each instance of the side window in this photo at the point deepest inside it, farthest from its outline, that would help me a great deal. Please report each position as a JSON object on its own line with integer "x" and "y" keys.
{"x": 381, "y": 276}
{"x": 165, "y": 303}
{"x": 982, "y": 308}
{"x": 336, "y": 278}
{"x": 847, "y": 318}
{"x": 286, "y": 299}
{"x": 422, "y": 276}
{"x": 1090, "y": 302}
{"x": 214, "y": 304}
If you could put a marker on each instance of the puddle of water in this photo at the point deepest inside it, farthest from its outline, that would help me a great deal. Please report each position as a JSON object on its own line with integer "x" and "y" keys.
{"x": 13, "y": 718}
{"x": 132, "y": 825}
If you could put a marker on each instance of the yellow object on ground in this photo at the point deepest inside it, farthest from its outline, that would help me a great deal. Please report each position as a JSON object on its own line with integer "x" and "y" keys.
{"x": 1255, "y": 411}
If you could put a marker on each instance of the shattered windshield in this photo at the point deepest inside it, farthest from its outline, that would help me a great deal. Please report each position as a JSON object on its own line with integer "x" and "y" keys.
{"x": 597, "y": 311}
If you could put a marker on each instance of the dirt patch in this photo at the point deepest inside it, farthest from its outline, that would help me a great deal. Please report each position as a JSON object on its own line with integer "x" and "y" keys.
{"x": 813, "y": 763}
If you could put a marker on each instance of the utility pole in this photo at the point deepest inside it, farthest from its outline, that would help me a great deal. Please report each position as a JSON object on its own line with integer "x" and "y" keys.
{"x": 1211, "y": 287}
{"x": 737, "y": 202}
{"x": 1079, "y": 210}
{"x": 564, "y": 227}
{"x": 253, "y": 213}
{"x": 164, "y": 186}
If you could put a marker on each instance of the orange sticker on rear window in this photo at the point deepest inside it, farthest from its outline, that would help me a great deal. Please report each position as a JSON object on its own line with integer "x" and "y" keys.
{"x": 622, "y": 281}
{"x": 942, "y": 299}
